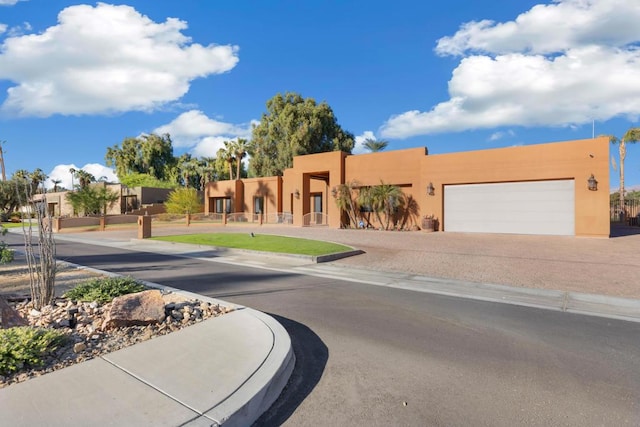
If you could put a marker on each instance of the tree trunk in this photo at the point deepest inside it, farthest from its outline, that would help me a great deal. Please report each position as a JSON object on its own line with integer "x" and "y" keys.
{"x": 623, "y": 154}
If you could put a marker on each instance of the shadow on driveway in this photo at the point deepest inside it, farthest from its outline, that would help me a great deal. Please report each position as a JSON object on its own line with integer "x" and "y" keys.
{"x": 311, "y": 359}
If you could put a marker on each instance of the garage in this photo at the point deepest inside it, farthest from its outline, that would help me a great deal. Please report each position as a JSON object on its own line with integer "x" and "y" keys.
{"x": 533, "y": 207}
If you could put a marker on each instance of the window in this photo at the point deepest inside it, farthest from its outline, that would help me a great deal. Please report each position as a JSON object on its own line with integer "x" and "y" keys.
{"x": 222, "y": 204}
{"x": 258, "y": 205}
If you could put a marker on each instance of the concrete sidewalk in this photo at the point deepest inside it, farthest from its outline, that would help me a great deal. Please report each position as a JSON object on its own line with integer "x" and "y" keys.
{"x": 224, "y": 371}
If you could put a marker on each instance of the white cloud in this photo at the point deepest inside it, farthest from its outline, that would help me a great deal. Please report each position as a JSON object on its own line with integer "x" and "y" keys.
{"x": 105, "y": 59}
{"x": 551, "y": 28}
{"x": 358, "y": 147}
{"x": 501, "y": 134}
{"x": 3, "y": 28}
{"x": 19, "y": 30}
{"x": 536, "y": 72}
{"x": 203, "y": 135}
{"x": 62, "y": 173}
{"x": 9, "y": 2}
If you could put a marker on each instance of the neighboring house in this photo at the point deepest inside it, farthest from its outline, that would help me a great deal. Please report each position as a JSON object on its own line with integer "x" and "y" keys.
{"x": 534, "y": 189}
{"x": 132, "y": 200}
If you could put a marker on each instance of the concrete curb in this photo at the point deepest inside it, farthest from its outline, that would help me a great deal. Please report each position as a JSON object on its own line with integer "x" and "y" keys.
{"x": 258, "y": 392}
{"x": 233, "y": 251}
{"x": 262, "y": 389}
{"x": 626, "y": 309}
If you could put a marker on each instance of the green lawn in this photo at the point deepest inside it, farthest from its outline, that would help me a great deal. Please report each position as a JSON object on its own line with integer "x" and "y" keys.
{"x": 261, "y": 242}
{"x": 12, "y": 224}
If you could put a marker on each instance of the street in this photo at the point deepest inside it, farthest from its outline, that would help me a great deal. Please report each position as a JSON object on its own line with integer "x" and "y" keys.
{"x": 369, "y": 355}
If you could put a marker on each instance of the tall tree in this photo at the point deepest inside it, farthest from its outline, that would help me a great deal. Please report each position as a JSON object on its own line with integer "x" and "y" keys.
{"x": 2, "y": 171}
{"x": 630, "y": 137}
{"x": 293, "y": 126}
{"x": 226, "y": 153}
{"x": 240, "y": 149}
{"x": 375, "y": 145}
{"x": 37, "y": 177}
{"x": 147, "y": 154}
{"x": 55, "y": 183}
{"x": 84, "y": 178}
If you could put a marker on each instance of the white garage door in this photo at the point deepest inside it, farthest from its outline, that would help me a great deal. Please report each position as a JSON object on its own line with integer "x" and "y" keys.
{"x": 537, "y": 207}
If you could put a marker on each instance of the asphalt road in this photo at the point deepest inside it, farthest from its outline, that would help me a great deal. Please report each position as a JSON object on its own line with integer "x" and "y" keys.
{"x": 368, "y": 355}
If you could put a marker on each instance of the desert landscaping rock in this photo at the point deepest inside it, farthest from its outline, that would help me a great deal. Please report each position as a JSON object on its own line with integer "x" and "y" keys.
{"x": 141, "y": 308}
{"x": 90, "y": 337}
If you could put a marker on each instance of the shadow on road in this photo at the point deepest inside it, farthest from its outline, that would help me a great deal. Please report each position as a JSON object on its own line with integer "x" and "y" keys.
{"x": 311, "y": 359}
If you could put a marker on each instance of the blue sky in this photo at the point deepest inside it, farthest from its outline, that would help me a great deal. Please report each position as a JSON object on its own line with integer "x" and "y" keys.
{"x": 76, "y": 78}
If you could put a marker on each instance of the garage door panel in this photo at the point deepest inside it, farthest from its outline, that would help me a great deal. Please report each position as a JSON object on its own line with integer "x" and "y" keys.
{"x": 538, "y": 207}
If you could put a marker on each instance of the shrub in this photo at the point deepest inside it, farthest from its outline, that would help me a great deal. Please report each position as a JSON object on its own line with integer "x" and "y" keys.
{"x": 6, "y": 254}
{"x": 104, "y": 289}
{"x": 25, "y": 346}
{"x": 183, "y": 201}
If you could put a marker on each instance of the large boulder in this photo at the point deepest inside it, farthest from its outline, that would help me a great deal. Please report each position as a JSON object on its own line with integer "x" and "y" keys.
{"x": 141, "y": 308}
{"x": 9, "y": 317}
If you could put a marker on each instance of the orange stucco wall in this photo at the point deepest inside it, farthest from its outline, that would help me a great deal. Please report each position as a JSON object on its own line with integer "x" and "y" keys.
{"x": 413, "y": 169}
{"x": 270, "y": 188}
{"x": 230, "y": 189}
{"x": 313, "y": 173}
{"x": 567, "y": 160}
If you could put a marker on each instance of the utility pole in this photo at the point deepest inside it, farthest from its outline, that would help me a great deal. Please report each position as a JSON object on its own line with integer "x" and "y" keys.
{"x": 4, "y": 175}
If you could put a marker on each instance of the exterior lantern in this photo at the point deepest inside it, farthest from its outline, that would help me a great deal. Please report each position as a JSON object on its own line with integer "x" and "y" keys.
{"x": 334, "y": 192}
{"x": 296, "y": 193}
{"x": 593, "y": 184}
{"x": 430, "y": 189}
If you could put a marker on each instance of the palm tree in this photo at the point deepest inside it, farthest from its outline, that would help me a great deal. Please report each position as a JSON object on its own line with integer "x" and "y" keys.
{"x": 84, "y": 177}
{"x": 344, "y": 195}
{"x": 374, "y": 145}
{"x": 37, "y": 177}
{"x": 631, "y": 136}
{"x": 72, "y": 171}
{"x": 2, "y": 171}
{"x": 240, "y": 148}
{"x": 226, "y": 153}
{"x": 386, "y": 198}
{"x": 55, "y": 183}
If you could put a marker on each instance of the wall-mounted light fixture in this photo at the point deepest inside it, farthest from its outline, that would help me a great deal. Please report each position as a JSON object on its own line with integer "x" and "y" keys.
{"x": 334, "y": 192}
{"x": 430, "y": 189}
{"x": 592, "y": 183}
{"x": 296, "y": 193}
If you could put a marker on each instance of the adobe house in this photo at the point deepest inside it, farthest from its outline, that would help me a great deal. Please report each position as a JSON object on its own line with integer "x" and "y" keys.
{"x": 536, "y": 189}
{"x": 132, "y": 200}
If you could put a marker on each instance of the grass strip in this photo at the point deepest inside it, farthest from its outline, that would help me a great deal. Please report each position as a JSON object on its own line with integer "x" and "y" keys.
{"x": 260, "y": 242}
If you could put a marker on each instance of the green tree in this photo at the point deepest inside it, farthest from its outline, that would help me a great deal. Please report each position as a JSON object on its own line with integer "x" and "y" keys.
{"x": 183, "y": 201}
{"x": 145, "y": 180}
{"x": 189, "y": 168}
{"x": 374, "y": 145}
{"x": 21, "y": 180}
{"x": 37, "y": 177}
{"x": 84, "y": 178}
{"x": 294, "y": 126}
{"x": 6, "y": 254}
{"x": 55, "y": 183}
{"x": 630, "y": 137}
{"x": 226, "y": 154}
{"x": 92, "y": 200}
{"x": 147, "y": 154}
{"x": 385, "y": 198}
{"x": 347, "y": 201}
{"x": 240, "y": 147}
